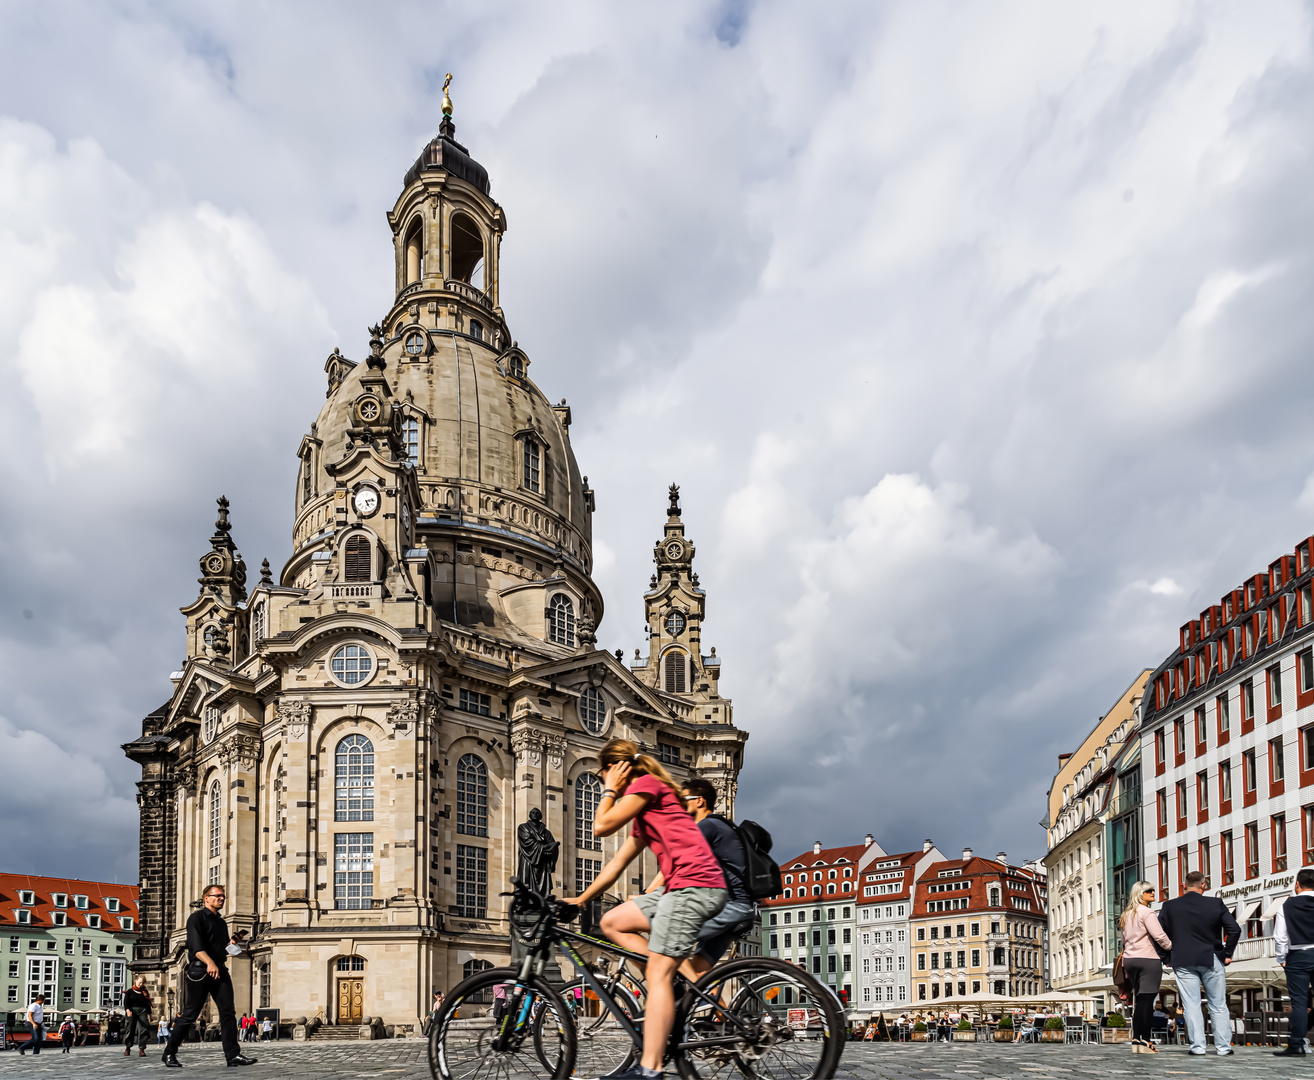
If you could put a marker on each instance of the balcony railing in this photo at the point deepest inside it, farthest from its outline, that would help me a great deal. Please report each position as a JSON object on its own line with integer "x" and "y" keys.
{"x": 1255, "y": 948}
{"x": 469, "y": 292}
{"x": 355, "y": 592}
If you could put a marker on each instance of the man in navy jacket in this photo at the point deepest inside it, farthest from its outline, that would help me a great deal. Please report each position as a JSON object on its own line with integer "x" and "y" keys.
{"x": 1197, "y": 925}
{"x": 1293, "y": 935}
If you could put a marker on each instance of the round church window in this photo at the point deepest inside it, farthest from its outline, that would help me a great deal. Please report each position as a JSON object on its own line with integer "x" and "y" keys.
{"x": 674, "y": 624}
{"x": 415, "y": 344}
{"x": 593, "y": 710}
{"x": 352, "y": 665}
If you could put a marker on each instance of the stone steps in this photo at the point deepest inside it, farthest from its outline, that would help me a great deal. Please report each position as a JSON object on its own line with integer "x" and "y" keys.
{"x": 337, "y": 1033}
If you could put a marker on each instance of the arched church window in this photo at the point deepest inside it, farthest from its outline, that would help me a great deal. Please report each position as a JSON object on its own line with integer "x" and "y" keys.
{"x": 467, "y": 250}
{"x": 533, "y": 465}
{"x": 593, "y": 709}
{"x": 472, "y": 796}
{"x": 588, "y": 793}
{"x": 561, "y": 620}
{"x": 674, "y": 668}
{"x": 307, "y": 475}
{"x": 474, "y": 967}
{"x": 414, "y": 254}
{"x": 353, "y": 779}
{"x": 356, "y": 559}
{"x": 260, "y": 622}
{"x": 414, "y": 344}
{"x": 412, "y": 433}
{"x": 211, "y": 636}
{"x": 216, "y": 817}
{"x": 516, "y": 366}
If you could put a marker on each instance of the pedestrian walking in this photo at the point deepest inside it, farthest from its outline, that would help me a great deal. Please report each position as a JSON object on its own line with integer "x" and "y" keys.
{"x": 1293, "y": 938}
{"x": 1204, "y": 935}
{"x": 206, "y": 976}
{"x": 1140, "y": 960}
{"x": 162, "y": 1032}
{"x": 137, "y": 1002}
{"x": 67, "y": 1032}
{"x": 36, "y": 1022}
{"x": 267, "y": 1030}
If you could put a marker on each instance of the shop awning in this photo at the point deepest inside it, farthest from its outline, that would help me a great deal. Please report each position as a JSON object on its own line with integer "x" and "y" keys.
{"x": 1275, "y": 905}
{"x": 1246, "y": 910}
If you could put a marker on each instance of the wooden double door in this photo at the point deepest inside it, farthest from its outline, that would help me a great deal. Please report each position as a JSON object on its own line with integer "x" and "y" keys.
{"x": 351, "y": 1000}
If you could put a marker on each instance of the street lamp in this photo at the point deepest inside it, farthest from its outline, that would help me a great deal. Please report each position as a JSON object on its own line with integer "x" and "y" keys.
{"x": 171, "y": 1005}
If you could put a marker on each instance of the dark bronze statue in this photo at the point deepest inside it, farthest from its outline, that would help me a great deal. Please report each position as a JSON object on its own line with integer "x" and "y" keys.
{"x": 539, "y": 850}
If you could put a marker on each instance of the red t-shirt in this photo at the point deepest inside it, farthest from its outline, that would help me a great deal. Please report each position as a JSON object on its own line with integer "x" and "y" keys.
{"x": 665, "y": 826}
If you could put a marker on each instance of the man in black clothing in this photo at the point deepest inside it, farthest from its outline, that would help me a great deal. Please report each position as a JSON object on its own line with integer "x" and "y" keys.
{"x": 1204, "y": 936}
{"x": 207, "y": 975}
{"x": 137, "y": 1004}
{"x": 719, "y": 931}
{"x": 1293, "y": 936}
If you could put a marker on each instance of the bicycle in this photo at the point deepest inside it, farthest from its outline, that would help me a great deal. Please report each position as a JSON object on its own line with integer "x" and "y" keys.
{"x": 754, "y": 1017}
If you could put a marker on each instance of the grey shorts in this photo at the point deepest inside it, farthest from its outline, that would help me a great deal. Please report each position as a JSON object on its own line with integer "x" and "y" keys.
{"x": 718, "y": 932}
{"x": 675, "y": 918}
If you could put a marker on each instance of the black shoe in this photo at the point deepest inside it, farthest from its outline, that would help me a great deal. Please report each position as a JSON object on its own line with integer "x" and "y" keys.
{"x": 1292, "y": 1050}
{"x": 242, "y": 1059}
{"x": 171, "y": 1060}
{"x": 1224, "y": 1053}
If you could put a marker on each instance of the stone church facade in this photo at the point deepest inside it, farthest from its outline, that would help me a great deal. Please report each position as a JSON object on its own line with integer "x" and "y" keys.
{"x": 350, "y": 745}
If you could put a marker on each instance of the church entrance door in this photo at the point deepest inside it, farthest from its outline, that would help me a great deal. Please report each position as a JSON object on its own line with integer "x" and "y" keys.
{"x": 351, "y": 1000}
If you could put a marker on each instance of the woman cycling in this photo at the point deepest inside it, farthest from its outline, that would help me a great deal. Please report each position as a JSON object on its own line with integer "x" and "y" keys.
{"x": 638, "y": 790}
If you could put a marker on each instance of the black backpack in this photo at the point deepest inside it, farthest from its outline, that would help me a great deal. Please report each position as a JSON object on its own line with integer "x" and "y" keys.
{"x": 761, "y": 872}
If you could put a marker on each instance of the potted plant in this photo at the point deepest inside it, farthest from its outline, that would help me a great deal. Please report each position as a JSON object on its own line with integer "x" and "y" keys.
{"x": 964, "y": 1032}
{"x": 1053, "y": 1030}
{"x": 1004, "y": 1032}
{"x": 919, "y": 1031}
{"x": 1115, "y": 1028}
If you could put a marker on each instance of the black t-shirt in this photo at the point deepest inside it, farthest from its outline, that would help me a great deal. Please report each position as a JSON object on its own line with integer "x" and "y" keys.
{"x": 135, "y": 999}
{"x": 725, "y": 845}
{"x": 208, "y": 933}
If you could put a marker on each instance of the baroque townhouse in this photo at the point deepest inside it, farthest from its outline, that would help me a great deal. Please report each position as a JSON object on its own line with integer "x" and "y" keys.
{"x": 1077, "y": 817}
{"x": 884, "y": 936}
{"x": 978, "y": 927}
{"x": 1227, "y": 742}
{"x": 812, "y": 922}
{"x": 68, "y": 939}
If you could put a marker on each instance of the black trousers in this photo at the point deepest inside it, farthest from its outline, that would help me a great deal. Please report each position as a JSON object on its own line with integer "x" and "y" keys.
{"x": 1300, "y": 967}
{"x": 221, "y": 989}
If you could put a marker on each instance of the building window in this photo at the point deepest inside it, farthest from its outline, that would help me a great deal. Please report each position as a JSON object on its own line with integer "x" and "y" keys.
{"x": 585, "y": 872}
{"x": 1202, "y": 791}
{"x": 476, "y": 330}
{"x": 216, "y": 818}
{"x": 1252, "y": 850}
{"x": 561, "y": 620}
{"x": 1201, "y": 734}
{"x": 1274, "y": 687}
{"x": 1277, "y": 762}
{"x": 475, "y": 702}
{"x": 351, "y": 963}
{"x": 1228, "y": 858}
{"x": 264, "y": 986}
{"x": 260, "y": 623}
{"x": 1307, "y": 834}
{"x": 1181, "y": 798}
{"x": 588, "y": 793}
{"x": 532, "y": 459}
{"x": 411, "y": 430}
{"x": 1248, "y": 765}
{"x": 1225, "y": 782}
{"x": 307, "y": 472}
{"x": 351, "y": 665}
{"x": 674, "y": 670}
{"x": 353, "y": 871}
{"x": 670, "y": 755}
{"x": 471, "y": 796}
{"x": 471, "y": 881}
{"x": 1278, "y": 824}
{"x": 111, "y": 983}
{"x": 1247, "y": 701}
{"x": 1224, "y": 714}
{"x": 356, "y": 559}
{"x": 592, "y": 709}
{"x": 353, "y": 779}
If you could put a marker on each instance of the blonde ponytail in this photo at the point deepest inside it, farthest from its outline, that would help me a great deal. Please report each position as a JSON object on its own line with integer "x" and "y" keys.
{"x": 642, "y": 764}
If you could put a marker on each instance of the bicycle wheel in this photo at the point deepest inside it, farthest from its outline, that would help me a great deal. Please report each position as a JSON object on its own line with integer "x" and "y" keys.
{"x": 602, "y": 1045}
{"x": 539, "y": 1037}
{"x": 792, "y": 1027}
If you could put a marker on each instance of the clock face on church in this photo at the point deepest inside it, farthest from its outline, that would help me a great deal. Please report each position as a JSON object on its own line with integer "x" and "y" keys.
{"x": 366, "y": 501}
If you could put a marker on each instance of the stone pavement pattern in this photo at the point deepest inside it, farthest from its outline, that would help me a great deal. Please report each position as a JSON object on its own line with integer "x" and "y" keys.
{"x": 406, "y": 1059}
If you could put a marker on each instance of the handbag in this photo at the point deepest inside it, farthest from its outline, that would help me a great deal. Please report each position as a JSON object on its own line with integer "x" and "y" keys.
{"x": 1121, "y": 980}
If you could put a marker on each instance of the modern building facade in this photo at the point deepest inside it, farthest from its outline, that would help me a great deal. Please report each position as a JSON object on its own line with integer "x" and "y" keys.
{"x": 350, "y": 744}
{"x": 1227, "y": 750}
{"x": 1080, "y": 800}
{"x": 978, "y": 927}
{"x": 68, "y": 939}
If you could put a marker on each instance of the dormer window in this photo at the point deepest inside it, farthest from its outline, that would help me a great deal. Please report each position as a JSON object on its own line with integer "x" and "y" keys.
{"x": 26, "y": 897}
{"x": 561, "y": 620}
{"x": 112, "y": 903}
{"x": 58, "y": 918}
{"x": 476, "y": 330}
{"x": 93, "y": 921}
{"x": 516, "y": 366}
{"x": 414, "y": 344}
{"x": 533, "y": 459}
{"x": 59, "y": 899}
{"x": 80, "y": 902}
{"x": 23, "y": 917}
{"x": 126, "y": 922}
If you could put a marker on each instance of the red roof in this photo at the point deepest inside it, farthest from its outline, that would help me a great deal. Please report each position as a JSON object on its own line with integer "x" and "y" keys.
{"x": 977, "y": 874}
{"x": 43, "y": 908}
{"x": 822, "y": 862}
{"x": 877, "y": 875}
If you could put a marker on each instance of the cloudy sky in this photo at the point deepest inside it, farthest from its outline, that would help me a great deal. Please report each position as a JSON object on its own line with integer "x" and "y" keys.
{"x": 977, "y": 335}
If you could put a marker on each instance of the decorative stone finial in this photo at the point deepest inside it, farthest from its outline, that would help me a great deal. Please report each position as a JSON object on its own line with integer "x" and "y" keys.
{"x": 620, "y": 656}
{"x": 376, "y": 347}
{"x": 222, "y": 526}
{"x": 674, "y": 509}
{"x": 447, "y": 100}
{"x": 267, "y": 577}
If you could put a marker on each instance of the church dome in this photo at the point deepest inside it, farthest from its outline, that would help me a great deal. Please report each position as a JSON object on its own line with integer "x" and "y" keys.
{"x": 497, "y": 482}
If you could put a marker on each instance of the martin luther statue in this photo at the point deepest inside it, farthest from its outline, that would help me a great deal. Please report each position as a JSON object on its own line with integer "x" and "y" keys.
{"x": 538, "y": 852}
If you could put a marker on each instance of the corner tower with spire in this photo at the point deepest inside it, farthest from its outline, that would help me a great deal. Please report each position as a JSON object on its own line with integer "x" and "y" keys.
{"x": 350, "y": 750}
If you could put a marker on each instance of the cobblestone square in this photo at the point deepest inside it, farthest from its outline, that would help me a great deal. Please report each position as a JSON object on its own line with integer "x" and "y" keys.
{"x": 405, "y": 1059}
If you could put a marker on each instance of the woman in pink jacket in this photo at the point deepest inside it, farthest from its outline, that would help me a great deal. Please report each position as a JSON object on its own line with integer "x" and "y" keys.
{"x": 1140, "y": 960}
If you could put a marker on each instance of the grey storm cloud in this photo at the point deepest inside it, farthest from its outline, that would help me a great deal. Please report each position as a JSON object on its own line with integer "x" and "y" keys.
{"x": 977, "y": 337}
